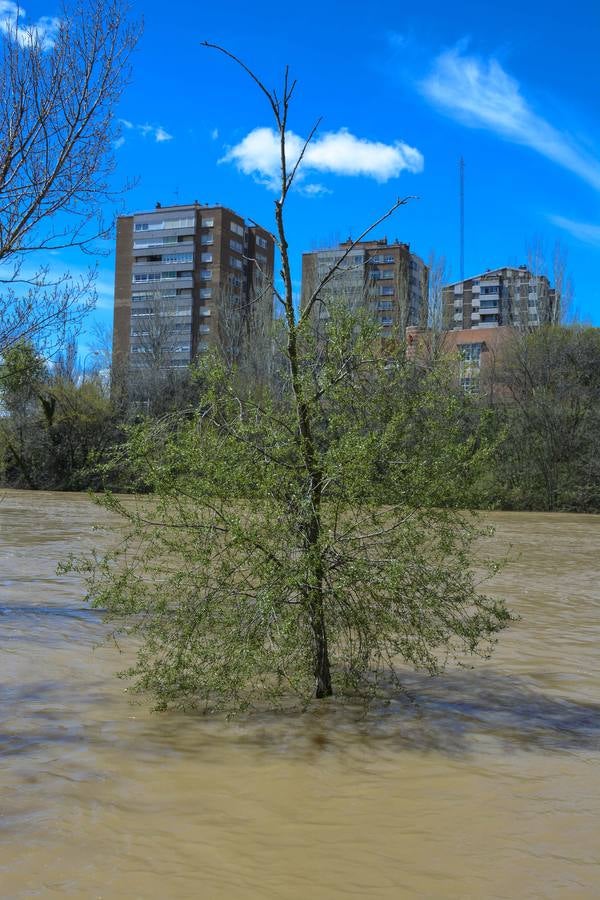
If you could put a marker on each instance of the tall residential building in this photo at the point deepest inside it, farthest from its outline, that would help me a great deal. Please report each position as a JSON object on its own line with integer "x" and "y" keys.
{"x": 507, "y": 296}
{"x": 390, "y": 280}
{"x": 185, "y": 278}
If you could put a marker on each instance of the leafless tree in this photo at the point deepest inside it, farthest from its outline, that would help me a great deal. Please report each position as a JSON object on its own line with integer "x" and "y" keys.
{"x": 562, "y": 307}
{"x": 59, "y": 85}
{"x": 557, "y": 306}
{"x": 243, "y": 328}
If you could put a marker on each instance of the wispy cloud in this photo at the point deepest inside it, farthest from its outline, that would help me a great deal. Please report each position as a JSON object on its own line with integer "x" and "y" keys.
{"x": 160, "y": 134}
{"x": 335, "y": 152}
{"x": 13, "y": 23}
{"x": 214, "y": 134}
{"x": 480, "y": 94}
{"x": 315, "y": 189}
{"x": 582, "y": 231}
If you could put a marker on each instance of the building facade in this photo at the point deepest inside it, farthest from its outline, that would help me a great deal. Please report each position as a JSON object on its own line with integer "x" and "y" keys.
{"x": 187, "y": 277}
{"x": 475, "y": 352}
{"x": 511, "y": 296}
{"x": 390, "y": 280}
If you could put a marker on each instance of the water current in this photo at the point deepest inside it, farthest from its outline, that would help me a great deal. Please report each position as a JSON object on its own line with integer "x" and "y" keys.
{"x": 487, "y": 787}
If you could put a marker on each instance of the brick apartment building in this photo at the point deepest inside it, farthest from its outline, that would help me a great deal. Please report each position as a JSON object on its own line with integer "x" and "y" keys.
{"x": 390, "y": 279}
{"x": 177, "y": 268}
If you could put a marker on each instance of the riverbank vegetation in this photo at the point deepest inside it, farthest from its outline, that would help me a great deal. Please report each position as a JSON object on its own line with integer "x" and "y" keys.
{"x": 539, "y": 406}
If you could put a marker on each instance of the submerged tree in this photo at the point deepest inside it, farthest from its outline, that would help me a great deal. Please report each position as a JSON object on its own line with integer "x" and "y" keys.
{"x": 300, "y": 538}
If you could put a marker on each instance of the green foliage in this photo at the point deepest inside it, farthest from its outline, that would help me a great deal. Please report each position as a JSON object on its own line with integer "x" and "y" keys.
{"x": 214, "y": 570}
{"x": 550, "y": 384}
{"x": 21, "y": 370}
{"x": 55, "y": 428}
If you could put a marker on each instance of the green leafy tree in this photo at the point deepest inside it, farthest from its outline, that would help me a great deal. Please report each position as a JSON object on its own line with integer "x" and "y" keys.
{"x": 299, "y": 539}
{"x": 547, "y": 385}
{"x": 55, "y": 422}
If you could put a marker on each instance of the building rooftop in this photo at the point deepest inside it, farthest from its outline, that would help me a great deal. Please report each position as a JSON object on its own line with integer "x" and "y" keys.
{"x": 496, "y": 271}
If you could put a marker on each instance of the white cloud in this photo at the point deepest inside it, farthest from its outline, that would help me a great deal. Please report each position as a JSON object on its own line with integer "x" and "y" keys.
{"x": 157, "y": 132}
{"x": 12, "y": 23}
{"x": 214, "y": 134}
{"x": 315, "y": 189}
{"x": 481, "y": 94}
{"x": 337, "y": 152}
{"x": 582, "y": 231}
{"x": 160, "y": 135}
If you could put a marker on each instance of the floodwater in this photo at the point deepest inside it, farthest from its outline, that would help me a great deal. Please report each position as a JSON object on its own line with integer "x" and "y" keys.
{"x": 487, "y": 787}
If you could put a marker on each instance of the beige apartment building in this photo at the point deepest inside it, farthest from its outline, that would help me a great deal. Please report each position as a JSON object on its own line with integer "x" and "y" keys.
{"x": 511, "y": 296}
{"x": 187, "y": 277}
{"x": 388, "y": 278}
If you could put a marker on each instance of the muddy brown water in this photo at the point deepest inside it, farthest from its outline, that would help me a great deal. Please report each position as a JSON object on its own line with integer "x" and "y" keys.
{"x": 487, "y": 787}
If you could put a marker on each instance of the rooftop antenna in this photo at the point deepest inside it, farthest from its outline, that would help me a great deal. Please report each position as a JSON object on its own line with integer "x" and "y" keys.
{"x": 461, "y": 169}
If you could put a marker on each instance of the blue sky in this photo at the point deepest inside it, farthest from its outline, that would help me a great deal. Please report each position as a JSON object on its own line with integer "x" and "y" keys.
{"x": 403, "y": 92}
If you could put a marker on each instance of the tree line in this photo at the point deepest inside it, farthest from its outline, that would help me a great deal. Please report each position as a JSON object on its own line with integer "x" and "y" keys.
{"x": 538, "y": 401}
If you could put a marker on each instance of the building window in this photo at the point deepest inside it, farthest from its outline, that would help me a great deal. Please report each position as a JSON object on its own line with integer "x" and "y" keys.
{"x": 205, "y": 274}
{"x": 470, "y": 352}
{"x": 261, "y": 242}
{"x": 177, "y": 257}
{"x": 206, "y": 238}
{"x": 154, "y": 242}
{"x": 386, "y": 320}
{"x": 141, "y": 226}
{"x": 206, "y": 257}
{"x": 208, "y": 223}
{"x": 235, "y": 245}
{"x": 146, "y": 276}
{"x": 386, "y": 290}
{"x": 385, "y": 304}
{"x": 237, "y": 229}
{"x": 469, "y": 384}
{"x": 205, "y": 293}
{"x": 235, "y": 263}
{"x": 204, "y": 329}
{"x": 177, "y": 223}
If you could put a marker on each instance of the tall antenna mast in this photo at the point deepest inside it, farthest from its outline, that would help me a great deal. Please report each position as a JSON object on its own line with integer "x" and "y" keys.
{"x": 461, "y": 169}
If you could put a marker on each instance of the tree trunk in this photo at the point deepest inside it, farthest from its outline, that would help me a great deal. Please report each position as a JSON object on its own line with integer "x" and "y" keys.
{"x": 323, "y": 687}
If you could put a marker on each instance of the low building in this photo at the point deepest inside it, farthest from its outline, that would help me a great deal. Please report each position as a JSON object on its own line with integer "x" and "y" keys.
{"x": 476, "y": 352}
